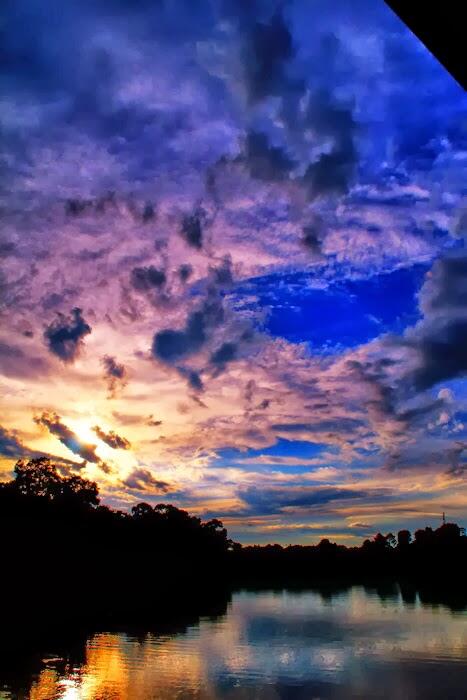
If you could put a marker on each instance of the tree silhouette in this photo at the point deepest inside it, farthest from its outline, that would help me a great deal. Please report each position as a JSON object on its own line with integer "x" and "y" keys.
{"x": 403, "y": 539}
{"x": 39, "y": 477}
{"x": 53, "y": 523}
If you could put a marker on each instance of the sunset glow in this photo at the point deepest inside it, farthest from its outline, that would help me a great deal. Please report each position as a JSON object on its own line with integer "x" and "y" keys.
{"x": 233, "y": 266}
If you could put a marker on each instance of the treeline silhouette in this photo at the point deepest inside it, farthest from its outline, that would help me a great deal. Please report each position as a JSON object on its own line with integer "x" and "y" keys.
{"x": 61, "y": 549}
{"x": 64, "y": 552}
{"x": 430, "y": 557}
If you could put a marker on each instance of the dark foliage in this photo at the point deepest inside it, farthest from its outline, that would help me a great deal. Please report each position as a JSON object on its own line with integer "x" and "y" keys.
{"x": 430, "y": 560}
{"x": 63, "y": 551}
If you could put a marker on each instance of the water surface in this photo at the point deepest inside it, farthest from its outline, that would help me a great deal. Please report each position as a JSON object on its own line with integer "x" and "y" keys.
{"x": 270, "y": 646}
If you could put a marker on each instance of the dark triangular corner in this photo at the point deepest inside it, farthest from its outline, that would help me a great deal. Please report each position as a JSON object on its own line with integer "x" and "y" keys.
{"x": 440, "y": 27}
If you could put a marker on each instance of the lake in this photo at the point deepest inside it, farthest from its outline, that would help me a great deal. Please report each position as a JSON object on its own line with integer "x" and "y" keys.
{"x": 268, "y": 646}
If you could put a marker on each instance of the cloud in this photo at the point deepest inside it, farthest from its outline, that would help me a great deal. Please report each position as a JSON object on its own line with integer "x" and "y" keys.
{"x": 332, "y": 171}
{"x": 171, "y": 345}
{"x": 193, "y": 378}
{"x": 153, "y": 422}
{"x": 313, "y": 235}
{"x": 7, "y": 249}
{"x": 335, "y": 425}
{"x": 185, "y": 271}
{"x": 16, "y": 362}
{"x": 64, "y": 336}
{"x": 127, "y": 418}
{"x": 269, "y": 47}
{"x": 67, "y": 437}
{"x": 443, "y": 355}
{"x": 10, "y": 445}
{"x": 115, "y": 374}
{"x": 440, "y": 338}
{"x": 224, "y": 354}
{"x": 143, "y": 480}
{"x": 277, "y": 500}
{"x": 192, "y": 228}
{"x": 263, "y": 161}
{"x": 144, "y": 279}
{"x": 112, "y": 439}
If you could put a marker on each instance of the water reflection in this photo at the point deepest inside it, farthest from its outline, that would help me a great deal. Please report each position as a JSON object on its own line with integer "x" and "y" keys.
{"x": 270, "y": 646}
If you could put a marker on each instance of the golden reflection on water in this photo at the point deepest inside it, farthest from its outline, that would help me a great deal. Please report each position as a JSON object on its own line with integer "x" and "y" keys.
{"x": 269, "y": 640}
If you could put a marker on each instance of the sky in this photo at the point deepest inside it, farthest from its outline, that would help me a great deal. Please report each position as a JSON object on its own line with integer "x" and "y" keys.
{"x": 233, "y": 273}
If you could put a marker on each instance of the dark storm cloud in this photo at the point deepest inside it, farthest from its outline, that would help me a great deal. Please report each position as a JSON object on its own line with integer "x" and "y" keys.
{"x": 185, "y": 271}
{"x": 457, "y": 459}
{"x": 115, "y": 374}
{"x": 271, "y": 500}
{"x": 112, "y": 439}
{"x": 264, "y": 161}
{"x": 192, "y": 228}
{"x": 443, "y": 354}
{"x": 269, "y": 48}
{"x": 223, "y": 355}
{"x": 446, "y": 286}
{"x": 383, "y": 396}
{"x": 143, "y": 480}
{"x": 193, "y": 378}
{"x": 175, "y": 345}
{"x": 221, "y": 275}
{"x": 64, "y": 336}
{"x": 75, "y": 207}
{"x": 441, "y": 337}
{"x": 69, "y": 65}
{"x": 146, "y": 278}
{"x": 171, "y": 345}
{"x": 10, "y": 445}
{"x": 149, "y": 213}
{"x": 67, "y": 437}
{"x": 313, "y": 234}
{"x": 437, "y": 113}
{"x": 335, "y": 425}
{"x": 87, "y": 255}
{"x": 7, "y": 249}
{"x": 332, "y": 172}
{"x": 271, "y": 70}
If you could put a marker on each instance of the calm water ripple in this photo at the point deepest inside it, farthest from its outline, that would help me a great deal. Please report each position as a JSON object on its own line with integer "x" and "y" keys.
{"x": 271, "y": 646}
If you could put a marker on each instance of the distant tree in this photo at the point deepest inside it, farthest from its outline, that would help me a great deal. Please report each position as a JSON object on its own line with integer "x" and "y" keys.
{"x": 390, "y": 540}
{"x": 448, "y": 532}
{"x": 39, "y": 477}
{"x": 424, "y": 538}
{"x": 142, "y": 511}
{"x": 403, "y": 539}
{"x": 215, "y": 525}
{"x": 172, "y": 513}
{"x": 80, "y": 490}
{"x": 380, "y": 541}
